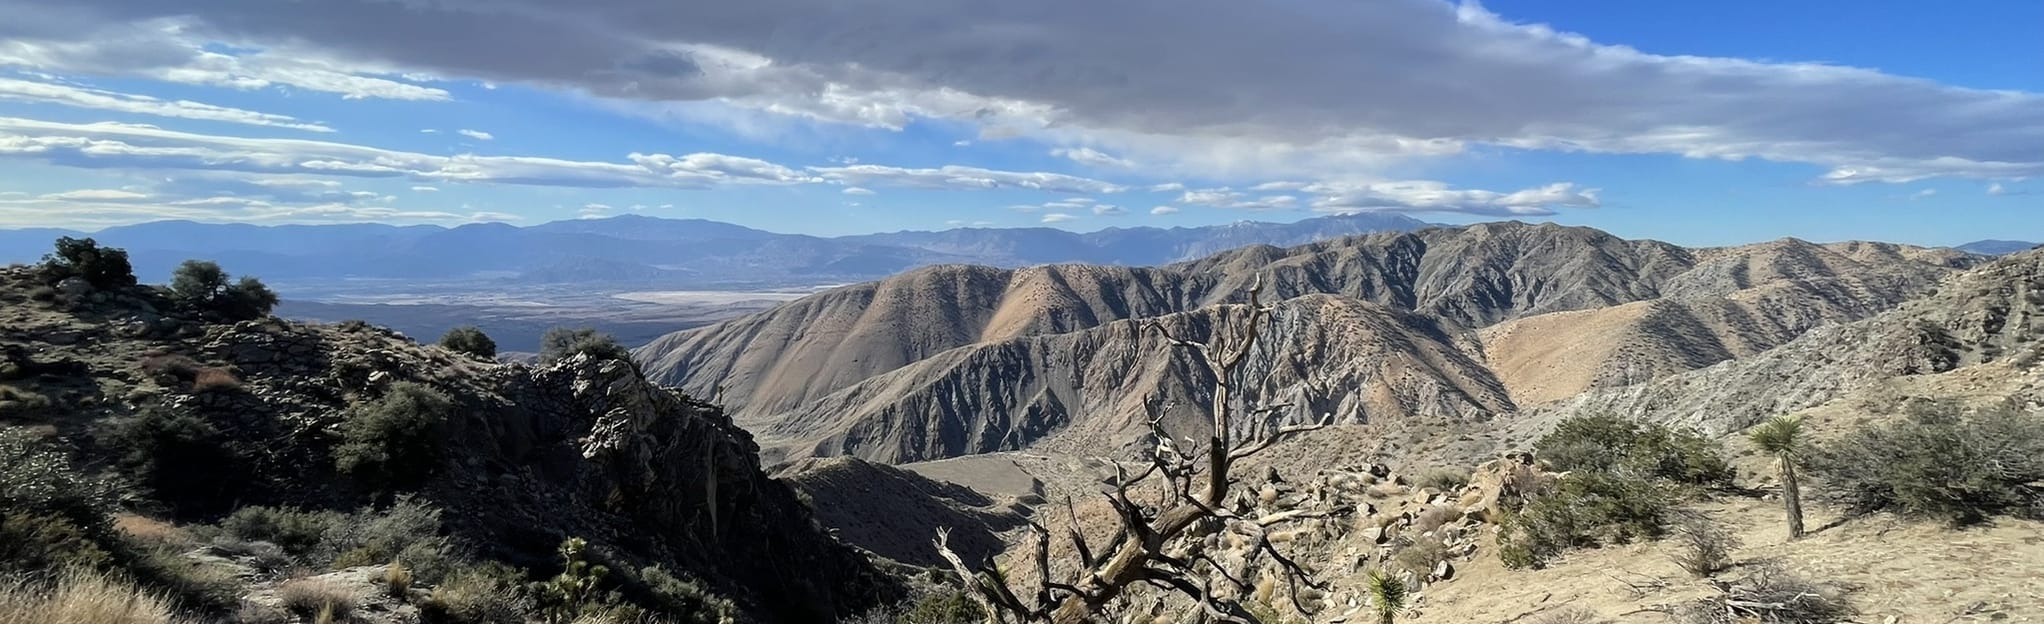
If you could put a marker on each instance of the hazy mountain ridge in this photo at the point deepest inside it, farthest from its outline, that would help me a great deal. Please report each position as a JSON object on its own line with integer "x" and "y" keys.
{"x": 1996, "y": 247}
{"x": 639, "y": 249}
{"x": 882, "y": 371}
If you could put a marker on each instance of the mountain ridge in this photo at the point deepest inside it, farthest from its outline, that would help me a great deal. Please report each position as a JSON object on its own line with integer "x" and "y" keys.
{"x": 637, "y": 249}
{"x": 952, "y": 360}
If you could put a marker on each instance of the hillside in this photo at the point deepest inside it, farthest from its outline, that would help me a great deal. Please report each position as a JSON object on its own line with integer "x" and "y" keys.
{"x": 526, "y": 458}
{"x": 1443, "y": 323}
{"x": 1991, "y": 314}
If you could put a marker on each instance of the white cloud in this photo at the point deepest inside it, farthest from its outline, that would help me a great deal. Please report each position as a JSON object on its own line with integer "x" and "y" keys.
{"x": 1417, "y": 78}
{"x": 1429, "y": 196}
{"x": 853, "y": 190}
{"x": 476, "y": 134}
{"x": 1167, "y": 187}
{"x": 136, "y": 146}
{"x": 961, "y": 143}
{"x": 1923, "y": 194}
{"x": 96, "y": 99}
{"x": 1996, "y": 189}
{"x": 1164, "y": 210}
{"x": 1105, "y": 210}
{"x": 1091, "y": 157}
{"x": 429, "y": 131}
{"x": 956, "y": 177}
{"x": 1228, "y": 198}
{"x": 425, "y": 189}
{"x": 97, "y": 194}
{"x": 1058, "y": 217}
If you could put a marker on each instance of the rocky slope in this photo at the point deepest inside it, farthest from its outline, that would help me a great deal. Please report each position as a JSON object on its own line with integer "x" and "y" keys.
{"x": 1992, "y": 314}
{"x": 894, "y": 512}
{"x": 1445, "y": 323}
{"x": 584, "y": 447}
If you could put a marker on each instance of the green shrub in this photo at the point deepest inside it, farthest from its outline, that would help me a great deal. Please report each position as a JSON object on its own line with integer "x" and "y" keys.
{"x": 37, "y": 542}
{"x": 1937, "y": 462}
{"x": 106, "y": 268}
{"x": 1607, "y": 443}
{"x": 49, "y": 512}
{"x": 298, "y": 532}
{"x": 185, "y": 462}
{"x": 203, "y": 286}
{"x": 470, "y": 340}
{"x": 683, "y": 600}
{"x": 943, "y": 607}
{"x": 1586, "y": 509}
{"x": 396, "y": 439}
{"x": 481, "y": 594}
{"x": 579, "y": 589}
{"x": 561, "y": 343}
{"x": 407, "y": 531}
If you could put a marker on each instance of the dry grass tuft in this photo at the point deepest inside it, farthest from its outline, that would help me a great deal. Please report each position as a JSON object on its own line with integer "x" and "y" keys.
{"x": 84, "y": 598}
{"x": 318, "y": 599}
{"x": 212, "y": 379}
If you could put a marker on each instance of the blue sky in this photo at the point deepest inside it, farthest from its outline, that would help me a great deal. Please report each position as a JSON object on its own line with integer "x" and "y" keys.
{"x": 1700, "y": 123}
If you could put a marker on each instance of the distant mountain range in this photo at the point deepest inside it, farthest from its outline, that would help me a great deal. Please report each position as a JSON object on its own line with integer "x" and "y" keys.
{"x": 1996, "y": 247}
{"x": 652, "y": 251}
{"x": 1431, "y": 330}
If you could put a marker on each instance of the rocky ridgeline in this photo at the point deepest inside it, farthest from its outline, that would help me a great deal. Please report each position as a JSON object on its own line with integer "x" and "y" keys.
{"x": 582, "y": 447}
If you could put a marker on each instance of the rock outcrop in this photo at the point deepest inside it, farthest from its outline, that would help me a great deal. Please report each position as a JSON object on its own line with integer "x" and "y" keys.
{"x": 531, "y": 455}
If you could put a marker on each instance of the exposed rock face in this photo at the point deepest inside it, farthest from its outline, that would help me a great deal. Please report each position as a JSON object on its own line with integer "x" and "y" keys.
{"x": 1443, "y": 324}
{"x": 533, "y": 455}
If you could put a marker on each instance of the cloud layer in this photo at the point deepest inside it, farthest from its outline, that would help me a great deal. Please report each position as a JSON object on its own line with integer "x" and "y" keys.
{"x": 1318, "y": 85}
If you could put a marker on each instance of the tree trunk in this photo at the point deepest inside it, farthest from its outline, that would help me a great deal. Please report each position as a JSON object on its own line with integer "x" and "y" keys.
{"x": 1792, "y": 498}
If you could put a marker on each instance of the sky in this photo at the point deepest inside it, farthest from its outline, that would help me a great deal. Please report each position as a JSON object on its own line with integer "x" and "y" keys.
{"x": 1697, "y": 123}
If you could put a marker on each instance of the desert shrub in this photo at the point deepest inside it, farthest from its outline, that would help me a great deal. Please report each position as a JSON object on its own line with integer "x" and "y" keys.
{"x": 682, "y": 600}
{"x": 1607, "y": 443}
{"x": 1771, "y": 594}
{"x": 83, "y": 597}
{"x": 170, "y": 365}
{"x": 408, "y": 531}
{"x": 1446, "y": 479}
{"x": 354, "y": 326}
{"x": 299, "y": 532}
{"x": 561, "y": 343}
{"x": 394, "y": 440}
{"x": 182, "y": 459}
{"x": 39, "y": 542}
{"x": 42, "y": 293}
{"x": 488, "y": 593}
{"x": 105, "y": 268}
{"x": 318, "y": 599}
{"x": 49, "y": 512}
{"x": 950, "y": 606}
{"x": 214, "y": 379}
{"x": 1584, "y": 510}
{"x": 579, "y": 591}
{"x": 16, "y": 402}
{"x": 1571, "y": 615}
{"x": 1937, "y": 462}
{"x": 1701, "y": 546}
{"x": 204, "y": 287}
{"x": 470, "y": 340}
{"x": 1434, "y": 517}
{"x": 1420, "y": 555}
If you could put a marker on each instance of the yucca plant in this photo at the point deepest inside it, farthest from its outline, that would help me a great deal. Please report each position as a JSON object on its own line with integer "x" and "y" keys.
{"x": 1782, "y": 438}
{"x": 1387, "y": 594}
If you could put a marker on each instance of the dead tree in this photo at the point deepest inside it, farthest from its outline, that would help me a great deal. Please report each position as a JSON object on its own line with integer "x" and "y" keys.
{"x": 1156, "y": 546}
